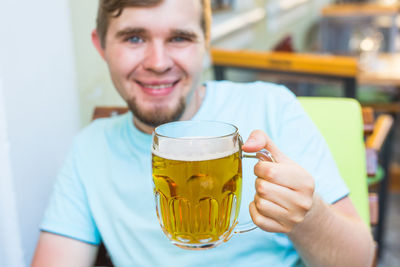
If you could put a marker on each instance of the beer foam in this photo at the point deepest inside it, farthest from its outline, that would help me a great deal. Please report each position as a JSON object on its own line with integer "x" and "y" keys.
{"x": 185, "y": 156}
{"x": 195, "y": 148}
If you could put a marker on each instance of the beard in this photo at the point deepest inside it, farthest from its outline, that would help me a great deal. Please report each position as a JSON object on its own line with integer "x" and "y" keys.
{"x": 158, "y": 115}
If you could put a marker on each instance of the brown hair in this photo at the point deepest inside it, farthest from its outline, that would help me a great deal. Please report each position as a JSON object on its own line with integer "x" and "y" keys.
{"x": 113, "y": 8}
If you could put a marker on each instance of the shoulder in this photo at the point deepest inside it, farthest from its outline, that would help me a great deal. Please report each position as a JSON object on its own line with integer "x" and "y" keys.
{"x": 100, "y": 130}
{"x": 255, "y": 95}
{"x": 92, "y": 146}
{"x": 255, "y": 89}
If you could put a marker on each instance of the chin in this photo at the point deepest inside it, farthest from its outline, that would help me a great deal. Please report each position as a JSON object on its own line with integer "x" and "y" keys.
{"x": 157, "y": 115}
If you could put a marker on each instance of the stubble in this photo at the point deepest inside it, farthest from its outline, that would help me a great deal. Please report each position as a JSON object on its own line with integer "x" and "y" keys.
{"x": 158, "y": 115}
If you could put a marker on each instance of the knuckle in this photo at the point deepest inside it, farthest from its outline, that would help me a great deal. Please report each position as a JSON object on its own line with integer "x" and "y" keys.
{"x": 257, "y": 203}
{"x": 297, "y": 219}
{"x": 260, "y": 205}
{"x": 261, "y": 169}
{"x": 258, "y": 184}
{"x": 257, "y": 220}
{"x": 306, "y": 204}
{"x": 310, "y": 186}
{"x": 271, "y": 172}
{"x": 261, "y": 186}
{"x": 302, "y": 207}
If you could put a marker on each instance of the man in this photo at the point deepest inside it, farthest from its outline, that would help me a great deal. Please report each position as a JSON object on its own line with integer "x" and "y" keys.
{"x": 155, "y": 51}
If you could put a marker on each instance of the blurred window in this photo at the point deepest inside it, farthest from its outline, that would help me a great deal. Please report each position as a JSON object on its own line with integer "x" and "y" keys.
{"x": 289, "y": 4}
{"x": 219, "y": 5}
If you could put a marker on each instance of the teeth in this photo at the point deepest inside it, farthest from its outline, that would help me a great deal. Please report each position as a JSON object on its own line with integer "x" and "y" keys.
{"x": 159, "y": 86}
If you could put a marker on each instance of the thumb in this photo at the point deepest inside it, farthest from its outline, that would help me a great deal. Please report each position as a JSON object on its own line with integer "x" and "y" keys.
{"x": 259, "y": 140}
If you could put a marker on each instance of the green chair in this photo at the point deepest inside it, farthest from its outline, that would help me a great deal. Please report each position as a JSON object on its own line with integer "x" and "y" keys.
{"x": 340, "y": 122}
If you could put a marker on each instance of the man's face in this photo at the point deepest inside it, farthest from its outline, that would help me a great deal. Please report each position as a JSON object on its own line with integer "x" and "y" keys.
{"x": 155, "y": 57}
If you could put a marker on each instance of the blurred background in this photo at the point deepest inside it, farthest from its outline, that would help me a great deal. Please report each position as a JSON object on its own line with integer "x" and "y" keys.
{"x": 51, "y": 78}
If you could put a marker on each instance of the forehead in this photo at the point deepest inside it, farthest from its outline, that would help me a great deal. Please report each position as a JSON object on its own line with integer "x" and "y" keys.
{"x": 169, "y": 14}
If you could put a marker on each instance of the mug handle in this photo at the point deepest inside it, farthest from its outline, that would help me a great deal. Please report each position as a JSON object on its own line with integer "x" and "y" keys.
{"x": 263, "y": 155}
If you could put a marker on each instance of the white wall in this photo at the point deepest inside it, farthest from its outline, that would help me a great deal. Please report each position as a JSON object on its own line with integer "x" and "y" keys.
{"x": 40, "y": 96}
{"x": 93, "y": 79}
{"x": 10, "y": 242}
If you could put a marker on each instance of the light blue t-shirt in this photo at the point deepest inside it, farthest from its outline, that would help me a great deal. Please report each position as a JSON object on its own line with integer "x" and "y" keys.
{"x": 104, "y": 191}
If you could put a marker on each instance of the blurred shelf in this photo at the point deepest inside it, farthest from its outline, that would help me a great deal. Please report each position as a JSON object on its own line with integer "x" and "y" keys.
{"x": 316, "y": 64}
{"x": 361, "y": 9}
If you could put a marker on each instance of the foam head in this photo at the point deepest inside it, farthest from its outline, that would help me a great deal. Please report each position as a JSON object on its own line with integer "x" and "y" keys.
{"x": 195, "y": 140}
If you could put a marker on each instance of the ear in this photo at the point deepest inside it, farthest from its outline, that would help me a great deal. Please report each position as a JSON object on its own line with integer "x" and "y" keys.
{"x": 97, "y": 43}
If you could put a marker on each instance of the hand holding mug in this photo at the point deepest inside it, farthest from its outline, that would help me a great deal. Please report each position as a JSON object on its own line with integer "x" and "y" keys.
{"x": 284, "y": 190}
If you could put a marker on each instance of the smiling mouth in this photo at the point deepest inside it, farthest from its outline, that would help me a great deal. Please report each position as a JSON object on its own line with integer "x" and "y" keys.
{"x": 158, "y": 88}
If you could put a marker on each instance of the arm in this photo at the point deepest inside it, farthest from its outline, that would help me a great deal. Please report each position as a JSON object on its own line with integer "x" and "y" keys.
{"x": 57, "y": 250}
{"x": 286, "y": 202}
{"x": 336, "y": 236}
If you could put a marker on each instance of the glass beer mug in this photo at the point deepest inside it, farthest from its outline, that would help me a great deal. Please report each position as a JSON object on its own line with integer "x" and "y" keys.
{"x": 197, "y": 178}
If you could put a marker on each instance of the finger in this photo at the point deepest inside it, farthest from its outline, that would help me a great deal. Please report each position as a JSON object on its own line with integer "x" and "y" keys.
{"x": 264, "y": 222}
{"x": 287, "y": 219}
{"x": 294, "y": 202}
{"x": 270, "y": 209}
{"x": 281, "y": 196}
{"x": 284, "y": 217}
{"x": 291, "y": 176}
{"x": 259, "y": 140}
{"x": 256, "y": 141}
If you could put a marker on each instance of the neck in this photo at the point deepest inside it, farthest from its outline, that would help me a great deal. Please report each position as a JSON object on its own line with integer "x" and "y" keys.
{"x": 143, "y": 127}
{"x": 194, "y": 105}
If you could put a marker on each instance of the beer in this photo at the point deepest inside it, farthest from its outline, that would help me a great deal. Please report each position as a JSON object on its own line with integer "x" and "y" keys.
{"x": 197, "y": 197}
{"x": 197, "y": 178}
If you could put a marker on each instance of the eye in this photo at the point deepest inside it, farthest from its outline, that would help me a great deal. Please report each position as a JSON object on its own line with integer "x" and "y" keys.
{"x": 179, "y": 39}
{"x": 135, "y": 39}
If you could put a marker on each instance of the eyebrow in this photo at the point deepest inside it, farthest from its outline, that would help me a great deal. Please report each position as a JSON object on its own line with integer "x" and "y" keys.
{"x": 129, "y": 32}
{"x": 185, "y": 33}
{"x": 140, "y": 31}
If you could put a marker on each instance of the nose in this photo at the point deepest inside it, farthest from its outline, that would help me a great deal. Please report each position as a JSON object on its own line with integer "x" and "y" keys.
{"x": 157, "y": 58}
